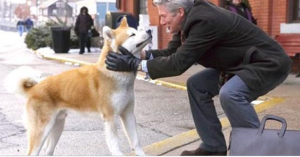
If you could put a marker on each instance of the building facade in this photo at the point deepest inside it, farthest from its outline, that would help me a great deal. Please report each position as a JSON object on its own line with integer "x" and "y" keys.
{"x": 274, "y": 16}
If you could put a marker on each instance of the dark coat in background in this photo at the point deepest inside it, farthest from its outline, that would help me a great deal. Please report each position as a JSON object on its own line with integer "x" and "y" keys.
{"x": 241, "y": 9}
{"x": 20, "y": 23}
{"x": 83, "y": 22}
{"x": 29, "y": 23}
{"x": 219, "y": 39}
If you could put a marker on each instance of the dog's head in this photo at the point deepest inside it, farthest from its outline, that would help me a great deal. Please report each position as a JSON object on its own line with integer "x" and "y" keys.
{"x": 129, "y": 38}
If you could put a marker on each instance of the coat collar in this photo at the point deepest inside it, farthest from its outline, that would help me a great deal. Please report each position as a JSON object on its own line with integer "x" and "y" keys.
{"x": 185, "y": 18}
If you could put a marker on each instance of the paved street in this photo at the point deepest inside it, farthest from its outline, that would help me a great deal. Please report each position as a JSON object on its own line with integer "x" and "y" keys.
{"x": 164, "y": 120}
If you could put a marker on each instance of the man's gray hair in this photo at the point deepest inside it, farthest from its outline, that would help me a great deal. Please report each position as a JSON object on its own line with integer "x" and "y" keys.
{"x": 174, "y": 5}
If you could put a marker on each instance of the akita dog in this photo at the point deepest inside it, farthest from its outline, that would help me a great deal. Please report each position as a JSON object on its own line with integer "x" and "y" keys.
{"x": 89, "y": 89}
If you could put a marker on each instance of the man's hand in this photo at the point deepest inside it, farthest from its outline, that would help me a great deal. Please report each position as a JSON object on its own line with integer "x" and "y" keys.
{"x": 122, "y": 62}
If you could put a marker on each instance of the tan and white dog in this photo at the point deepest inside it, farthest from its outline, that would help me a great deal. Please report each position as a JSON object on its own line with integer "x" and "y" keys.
{"x": 91, "y": 89}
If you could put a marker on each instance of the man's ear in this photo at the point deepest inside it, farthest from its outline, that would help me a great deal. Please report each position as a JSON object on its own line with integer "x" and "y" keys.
{"x": 108, "y": 33}
{"x": 181, "y": 12}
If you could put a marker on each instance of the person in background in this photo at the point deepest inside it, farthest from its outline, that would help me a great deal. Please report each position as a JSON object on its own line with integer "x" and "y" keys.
{"x": 20, "y": 26}
{"x": 84, "y": 23}
{"x": 239, "y": 7}
{"x": 28, "y": 24}
{"x": 227, "y": 45}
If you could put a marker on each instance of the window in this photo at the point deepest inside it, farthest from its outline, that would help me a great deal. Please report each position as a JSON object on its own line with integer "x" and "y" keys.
{"x": 143, "y": 7}
{"x": 101, "y": 8}
{"x": 112, "y": 7}
{"x": 54, "y": 12}
{"x": 45, "y": 12}
{"x": 294, "y": 11}
{"x": 60, "y": 4}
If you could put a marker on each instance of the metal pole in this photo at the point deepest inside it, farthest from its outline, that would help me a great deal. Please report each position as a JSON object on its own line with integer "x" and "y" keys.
{"x": 1, "y": 9}
{"x": 37, "y": 8}
{"x": 37, "y": 12}
{"x": 10, "y": 11}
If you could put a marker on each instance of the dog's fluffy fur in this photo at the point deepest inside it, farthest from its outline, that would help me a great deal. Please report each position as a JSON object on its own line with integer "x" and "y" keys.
{"x": 89, "y": 89}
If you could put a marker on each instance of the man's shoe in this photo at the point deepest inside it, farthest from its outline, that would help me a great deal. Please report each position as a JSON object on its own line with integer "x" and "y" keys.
{"x": 201, "y": 152}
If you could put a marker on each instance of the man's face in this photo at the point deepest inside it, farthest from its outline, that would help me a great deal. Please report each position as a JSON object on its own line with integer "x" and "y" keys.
{"x": 173, "y": 21}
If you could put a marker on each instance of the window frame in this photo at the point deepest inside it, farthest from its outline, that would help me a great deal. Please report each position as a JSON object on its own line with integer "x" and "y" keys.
{"x": 293, "y": 10}
{"x": 143, "y": 7}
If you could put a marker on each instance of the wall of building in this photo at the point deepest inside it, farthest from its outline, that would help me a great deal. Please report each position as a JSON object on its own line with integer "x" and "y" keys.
{"x": 270, "y": 14}
{"x": 163, "y": 36}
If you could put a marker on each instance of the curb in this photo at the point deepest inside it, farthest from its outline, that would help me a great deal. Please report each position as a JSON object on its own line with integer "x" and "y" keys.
{"x": 81, "y": 63}
{"x": 63, "y": 59}
{"x": 182, "y": 139}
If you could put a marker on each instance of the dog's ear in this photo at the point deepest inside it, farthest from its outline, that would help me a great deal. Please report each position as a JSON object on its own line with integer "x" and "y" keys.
{"x": 124, "y": 22}
{"x": 108, "y": 33}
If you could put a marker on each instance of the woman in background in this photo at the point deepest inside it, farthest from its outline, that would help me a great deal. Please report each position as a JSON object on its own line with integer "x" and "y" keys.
{"x": 84, "y": 23}
{"x": 241, "y": 8}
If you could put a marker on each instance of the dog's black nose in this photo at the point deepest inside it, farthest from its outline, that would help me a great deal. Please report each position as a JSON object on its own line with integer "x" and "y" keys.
{"x": 149, "y": 32}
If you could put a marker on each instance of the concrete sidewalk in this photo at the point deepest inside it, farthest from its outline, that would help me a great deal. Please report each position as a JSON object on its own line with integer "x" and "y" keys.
{"x": 284, "y": 101}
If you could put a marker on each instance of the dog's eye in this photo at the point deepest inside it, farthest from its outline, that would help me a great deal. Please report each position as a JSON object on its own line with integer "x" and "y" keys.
{"x": 132, "y": 35}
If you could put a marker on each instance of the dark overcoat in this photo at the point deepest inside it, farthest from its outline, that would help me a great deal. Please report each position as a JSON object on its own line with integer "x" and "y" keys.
{"x": 83, "y": 22}
{"x": 219, "y": 39}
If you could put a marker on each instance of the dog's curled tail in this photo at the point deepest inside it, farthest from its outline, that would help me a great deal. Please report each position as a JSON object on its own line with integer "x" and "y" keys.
{"x": 22, "y": 79}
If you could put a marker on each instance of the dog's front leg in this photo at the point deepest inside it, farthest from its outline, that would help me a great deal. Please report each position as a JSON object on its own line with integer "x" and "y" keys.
{"x": 112, "y": 136}
{"x": 129, "y": 125}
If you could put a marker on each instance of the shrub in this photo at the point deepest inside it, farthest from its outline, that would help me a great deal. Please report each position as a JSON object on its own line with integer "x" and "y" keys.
{"x": 41, "y": 37}
{"x": 38, "y": 37}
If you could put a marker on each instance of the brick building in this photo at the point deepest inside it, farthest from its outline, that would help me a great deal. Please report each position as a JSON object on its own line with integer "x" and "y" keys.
{"x": 274, "y": 16}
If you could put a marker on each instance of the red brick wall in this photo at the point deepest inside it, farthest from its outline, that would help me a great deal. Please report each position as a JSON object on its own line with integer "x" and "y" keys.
{"x": 163, "y": 36}
{"x": 127, "y": 6}
{"x": 270, "y": 13}
{"x": 279, "y": 15}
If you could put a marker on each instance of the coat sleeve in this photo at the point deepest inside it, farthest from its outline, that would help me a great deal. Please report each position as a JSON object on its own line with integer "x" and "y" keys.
{"x": 91, "y": 22}
{"x": 172, "y": 47}
{"x": 201, "y": 36}
{"x": 77, "y": 26}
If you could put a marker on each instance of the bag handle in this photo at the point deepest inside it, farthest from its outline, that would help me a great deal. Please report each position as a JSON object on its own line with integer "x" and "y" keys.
{"x": 271, "y": 117}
